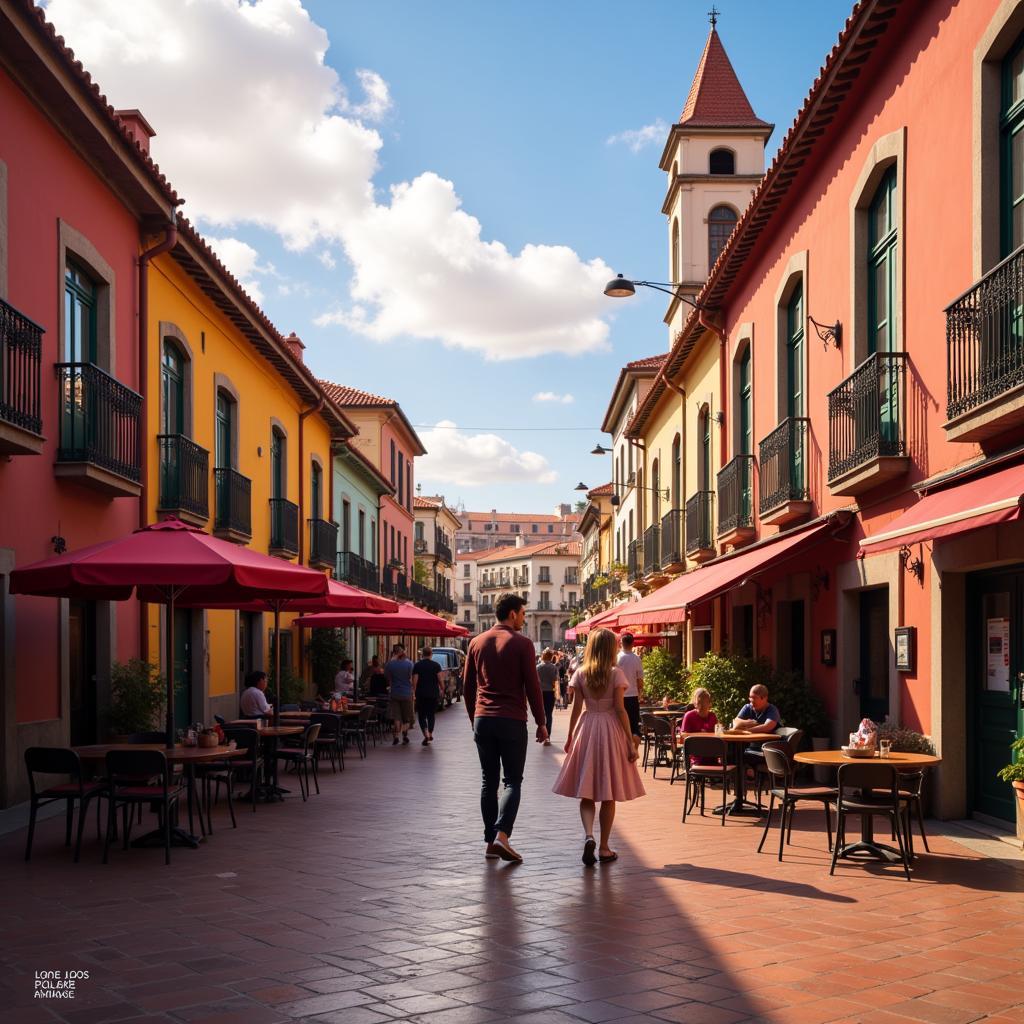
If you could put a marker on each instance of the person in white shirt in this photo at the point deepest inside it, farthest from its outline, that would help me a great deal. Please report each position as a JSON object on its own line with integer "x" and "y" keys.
{"x": 633, "y": 669}
{"x": 344, "y": 681}
{"x": 253, "y": 702}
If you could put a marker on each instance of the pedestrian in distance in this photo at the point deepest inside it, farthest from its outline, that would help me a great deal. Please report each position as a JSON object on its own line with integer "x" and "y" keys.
{"x": 601, "y": 764}
{"x": 428, "y": 678}
{"x": 499, "y": 681}
{"x": 345, "y": 680}
{"x": 633, "y": 669}
{"x": 548, "y": 674}
{"x": 400, "y": 707}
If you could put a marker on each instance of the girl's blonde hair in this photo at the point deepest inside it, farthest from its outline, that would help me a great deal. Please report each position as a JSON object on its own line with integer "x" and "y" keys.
{"x": 698, "y": 694}
{"x": 599, "y": 659}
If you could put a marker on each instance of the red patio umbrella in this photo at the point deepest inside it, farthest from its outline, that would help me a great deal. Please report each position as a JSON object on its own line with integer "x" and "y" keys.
{"x": 167, "y": 563}
{"x": 408, "y": 620}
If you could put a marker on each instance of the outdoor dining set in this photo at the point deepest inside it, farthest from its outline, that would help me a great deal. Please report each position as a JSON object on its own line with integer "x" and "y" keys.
{"x": 869, "y": 783}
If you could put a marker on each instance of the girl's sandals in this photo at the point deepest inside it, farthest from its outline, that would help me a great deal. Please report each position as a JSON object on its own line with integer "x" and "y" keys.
{"x": 588, "y": 852}
{"x": 607, "y": 858}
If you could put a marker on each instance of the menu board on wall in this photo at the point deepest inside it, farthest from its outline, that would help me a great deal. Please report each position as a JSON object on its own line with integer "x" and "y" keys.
{"x": 997, "y": 636}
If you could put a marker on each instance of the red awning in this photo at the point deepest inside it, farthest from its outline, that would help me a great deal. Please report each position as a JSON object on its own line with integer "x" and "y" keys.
{"x": 670, "y": 603}
{"x": 407, "y": 621}
{"x": 980, "y": 501}
{"x": 607, "y": 619}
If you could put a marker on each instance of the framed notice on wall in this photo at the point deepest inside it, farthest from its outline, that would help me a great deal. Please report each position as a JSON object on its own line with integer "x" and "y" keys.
{"x": 828, "y": 647}
{"x": 997, "y": 655}
{"x": 906, "y": 641}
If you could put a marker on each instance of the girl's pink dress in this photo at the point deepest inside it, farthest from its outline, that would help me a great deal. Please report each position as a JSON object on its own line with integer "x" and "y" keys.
{"x": 597, "y": 766}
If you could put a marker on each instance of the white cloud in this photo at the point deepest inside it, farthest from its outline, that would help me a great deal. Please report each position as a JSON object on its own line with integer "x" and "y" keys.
{"x": 552, "y": 396}
{"x": 243, "y": 261}
{"x": 474, "y": 460}
{"x": 254, "y": 128}
{"x": 327, "y": 259}
{"x": 639, "y": 138}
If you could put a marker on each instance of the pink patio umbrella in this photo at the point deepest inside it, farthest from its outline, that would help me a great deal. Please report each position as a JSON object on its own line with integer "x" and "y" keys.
{"x": 167, "y": 563}
{"x": 408, "y": 621}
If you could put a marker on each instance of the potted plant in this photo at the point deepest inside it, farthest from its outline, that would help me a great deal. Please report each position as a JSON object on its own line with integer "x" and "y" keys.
{"x": 1014, "y": 774}
{"x": 138, "y": 698}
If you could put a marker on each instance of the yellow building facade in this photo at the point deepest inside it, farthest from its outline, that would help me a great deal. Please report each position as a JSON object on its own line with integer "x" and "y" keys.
{"x": 238, "y": 437}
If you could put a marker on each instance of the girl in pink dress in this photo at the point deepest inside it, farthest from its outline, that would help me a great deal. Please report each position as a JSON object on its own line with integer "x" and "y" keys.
{"x": 601, "y": 763}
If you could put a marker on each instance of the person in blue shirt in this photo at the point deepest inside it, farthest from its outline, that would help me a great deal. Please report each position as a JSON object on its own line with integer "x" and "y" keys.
{"x": 400, "y": 707}
{"x": 758, "y": 715}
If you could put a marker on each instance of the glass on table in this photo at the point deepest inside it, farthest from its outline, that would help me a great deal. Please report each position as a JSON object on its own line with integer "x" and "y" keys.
{"x": 884, "y": 748}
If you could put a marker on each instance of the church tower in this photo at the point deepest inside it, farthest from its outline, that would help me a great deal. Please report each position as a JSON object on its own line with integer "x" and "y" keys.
{"x": 714, "y": 158}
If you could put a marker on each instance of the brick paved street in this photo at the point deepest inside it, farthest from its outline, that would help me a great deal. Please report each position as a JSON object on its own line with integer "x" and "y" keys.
{"x": 373, "y": 903}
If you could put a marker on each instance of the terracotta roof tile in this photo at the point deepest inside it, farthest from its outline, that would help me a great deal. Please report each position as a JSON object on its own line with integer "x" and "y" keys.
{"x": 431, "y": 503}
{"x": 647, "y": 361}
{"x": 717, "y": 99}
{"x": 566, "y": 549}
{"x": 344, "y": 395}
{"x": 518, "y": 517}
{"x": 473, "y": 556}
{"x": 605, "y": 490}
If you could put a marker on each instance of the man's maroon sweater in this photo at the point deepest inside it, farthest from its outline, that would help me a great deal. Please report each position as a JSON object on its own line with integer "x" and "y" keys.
{"x": 501, "y": 676}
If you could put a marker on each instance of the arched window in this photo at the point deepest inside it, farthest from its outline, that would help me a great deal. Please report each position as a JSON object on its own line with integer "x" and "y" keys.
{"x": 316, "y": 493}
{"x": 721, "y": 221}
{"x": 704, "y": 450}
{"x": 675, "y": 250}
{"x": 224, "y": 442}
{"x": 677, "y": 471}
{"x": 722, "y": 161}
{"x": 1012, "y": 131}
{"x": 745, "y": 403}
{"x": 882, "y": 265}
{"x": 795, "y": 352}
{"x": 172, "y": 390}
{"x": 278, "y": 484}
{"x": 419, "y": 532}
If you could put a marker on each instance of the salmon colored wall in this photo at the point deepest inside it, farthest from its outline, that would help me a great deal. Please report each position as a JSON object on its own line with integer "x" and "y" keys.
{"x": 48, "y": 183}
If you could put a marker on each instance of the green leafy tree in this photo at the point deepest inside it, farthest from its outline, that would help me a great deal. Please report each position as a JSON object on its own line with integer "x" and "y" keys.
{"x": 327, "y": 651}
{"x": 798, "y": 704}
{"x": 420, "y": 571}
{"x": 292, "y": 688}
{"x": 663, "y": 677}
{"x": 138, "y": 697}
{"x": 722, "y": 677}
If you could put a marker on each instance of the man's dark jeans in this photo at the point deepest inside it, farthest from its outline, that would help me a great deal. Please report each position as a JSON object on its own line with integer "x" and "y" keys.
{"x": 549, "y": 708}
{"x": 632, "y": 706}
{"x": 425, "y": 712}
{"x": 501, "y": 744}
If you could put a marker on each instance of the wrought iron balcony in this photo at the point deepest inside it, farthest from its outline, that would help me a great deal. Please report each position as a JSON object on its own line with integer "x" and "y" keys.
{"x": 634, "y": 560}
{"x": 323, "y": 543}
{"x": 700, "y": 543}
{"x": 985, "y": 354}
{"x": 652, "y": 555}
{"x": 867, "y": 425}
{"x": 419, "y": 546}
{"x": 21, "y": 353}
{"x": 99, "y": 430}
{"x": 672, "y": 539}
{"x": 544, "y": 606}
{"x": 284, "y": 527}
{"x": 735, "y": 497}
{"x": 402, "y": 589}
{"x": 360, "y": 572}
{"x": 184, "y": 478}
{"x": 442, "y": 548}
{"x": 543, "y": 577}
{"x": 485, "y": 608}
{"x": 233, "y": 512}
{"x": 783, "y": 454}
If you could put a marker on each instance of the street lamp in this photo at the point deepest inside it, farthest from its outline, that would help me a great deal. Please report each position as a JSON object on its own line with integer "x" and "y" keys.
{"x": 601, "y": 450}
{"x": 663, "y": 491}
{"x": 622, "y": 288}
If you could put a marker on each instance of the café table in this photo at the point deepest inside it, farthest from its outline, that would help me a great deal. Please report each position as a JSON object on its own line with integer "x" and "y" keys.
{"x": 902, "y": 762}
{"x": 269, "y": 735}
{"x": 740, "y": 804}
{"x": 188, "y": 758}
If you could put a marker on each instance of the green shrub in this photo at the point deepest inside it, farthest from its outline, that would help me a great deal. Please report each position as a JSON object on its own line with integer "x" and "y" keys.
{"x": 798, "y": 704}
{"x": 906, "y": 741}
{"x": 327, "y": 651}
{"x": 138, "y": 697}
{"x": 663, "y": 677}
{"x": 1013, "y": 772}
{"x": 292, "y": 688}
{"x": 722, "y": 677}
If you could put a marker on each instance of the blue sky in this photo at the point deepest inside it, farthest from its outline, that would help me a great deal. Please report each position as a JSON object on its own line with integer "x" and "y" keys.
{"x": 506, "y": 106}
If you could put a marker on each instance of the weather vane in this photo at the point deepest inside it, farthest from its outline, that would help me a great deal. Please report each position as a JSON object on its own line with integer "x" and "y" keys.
{"x": 713, "y": 15}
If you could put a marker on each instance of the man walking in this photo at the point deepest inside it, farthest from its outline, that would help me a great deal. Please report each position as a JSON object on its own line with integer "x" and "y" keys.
{"x": 500, "y": 678}
{"x": 633, "y": 669}
{"x": 400, "y": 710}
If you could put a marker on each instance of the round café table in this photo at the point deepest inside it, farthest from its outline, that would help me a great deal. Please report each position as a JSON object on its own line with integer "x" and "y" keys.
{"x": 740, "y": 804}
{"x": 902, "y": 762}
{"x": 188, "y": 757}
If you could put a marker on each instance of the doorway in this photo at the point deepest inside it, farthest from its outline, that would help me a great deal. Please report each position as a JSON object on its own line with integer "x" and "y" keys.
{"x": 872, "y": 685}
{"x": 994, "y": 664}
{"x": 182, "y": 668}
{"x": 82, "y": 672}
{"x": 791, "y": 647}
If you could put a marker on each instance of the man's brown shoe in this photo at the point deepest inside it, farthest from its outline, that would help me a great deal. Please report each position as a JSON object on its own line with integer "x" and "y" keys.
{"x": 505, "y": 852}
{"x": 491, "y": 852}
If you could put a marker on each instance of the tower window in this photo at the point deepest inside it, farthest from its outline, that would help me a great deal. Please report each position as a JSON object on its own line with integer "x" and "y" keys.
{"x": 722, "y": 161}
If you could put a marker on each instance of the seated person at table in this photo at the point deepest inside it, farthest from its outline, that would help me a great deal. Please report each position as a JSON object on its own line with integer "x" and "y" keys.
{"x": 344, "y": 681}
{"x": 758, "y": 715}
{"x": 700, "y": 719}
{"x": 253, "y": 703}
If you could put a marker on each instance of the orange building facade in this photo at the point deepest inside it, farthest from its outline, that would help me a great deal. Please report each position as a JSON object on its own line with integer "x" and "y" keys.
{"x": 865, "y": 322}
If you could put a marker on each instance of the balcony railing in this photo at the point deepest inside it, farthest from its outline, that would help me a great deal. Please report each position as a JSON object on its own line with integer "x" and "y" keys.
{"x": 21, "y": 352}
{"x": 323, "y": 543}
{"x": 358, "y": 571}
{"x": 634, "y": 560}
{"x": 698, "y": 522}
{"x": 99, "y": 420}
{"x": 783, "y": 461}
{"x": 284, "y": 526}
{"x": 402, "y": 588}
{"x": 672, "y": 537}
{"x": 866, "y": 418}
{"x": 233, "y": 494}
{"x": 419, "y": 546}
{"x": 543, "y": 577}
{"x": 572, "y": 579}
{"x": 985, "y": 338}
{"x": 735, "y": 490}
{"x": 652, "y": 552}
{"x": 442, "y": 548}
{"x": 485, "y": 609}
{"x": 184, "y": 476}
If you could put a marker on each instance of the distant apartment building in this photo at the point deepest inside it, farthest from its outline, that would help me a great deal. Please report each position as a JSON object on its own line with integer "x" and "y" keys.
{"x": 471, "y": 612}
{"x": 483, "y": 530}
{"x": 434, "y": 553}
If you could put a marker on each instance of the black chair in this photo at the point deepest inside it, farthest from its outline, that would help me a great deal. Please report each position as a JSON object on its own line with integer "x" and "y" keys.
{"x": 124, "y": 770}
{"x": 699, "y": 775}
{"x": 223, "y": 772}
{"x": 304, "y": 759}
{"x": 358, "y": 729}
{"x": 648, "y": 735}
{"x": 869, "y": 789}
{"x": 331, "y": 740}
{"x": 911, "y": 784}
{"x": 662, "y": 745}
{"x": 789, "y": 740}
{"x": 780, "y": 769}
{"x": 59, "y": 761}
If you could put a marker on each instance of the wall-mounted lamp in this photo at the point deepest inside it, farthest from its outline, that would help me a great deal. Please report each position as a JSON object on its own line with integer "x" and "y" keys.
{"x": 819, "y": 582}
{"x": 60, "y": 545}
{"x": 827, "y": 332}
{"x": 764, "y": 605}
{"x": 915, "y": 566}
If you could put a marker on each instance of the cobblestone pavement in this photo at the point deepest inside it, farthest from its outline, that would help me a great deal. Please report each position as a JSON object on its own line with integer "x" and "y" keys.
{"x": 373, "y": 903}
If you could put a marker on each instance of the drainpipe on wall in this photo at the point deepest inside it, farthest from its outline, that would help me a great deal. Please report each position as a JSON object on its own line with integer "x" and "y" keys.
{"x": 170, "y": 239}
